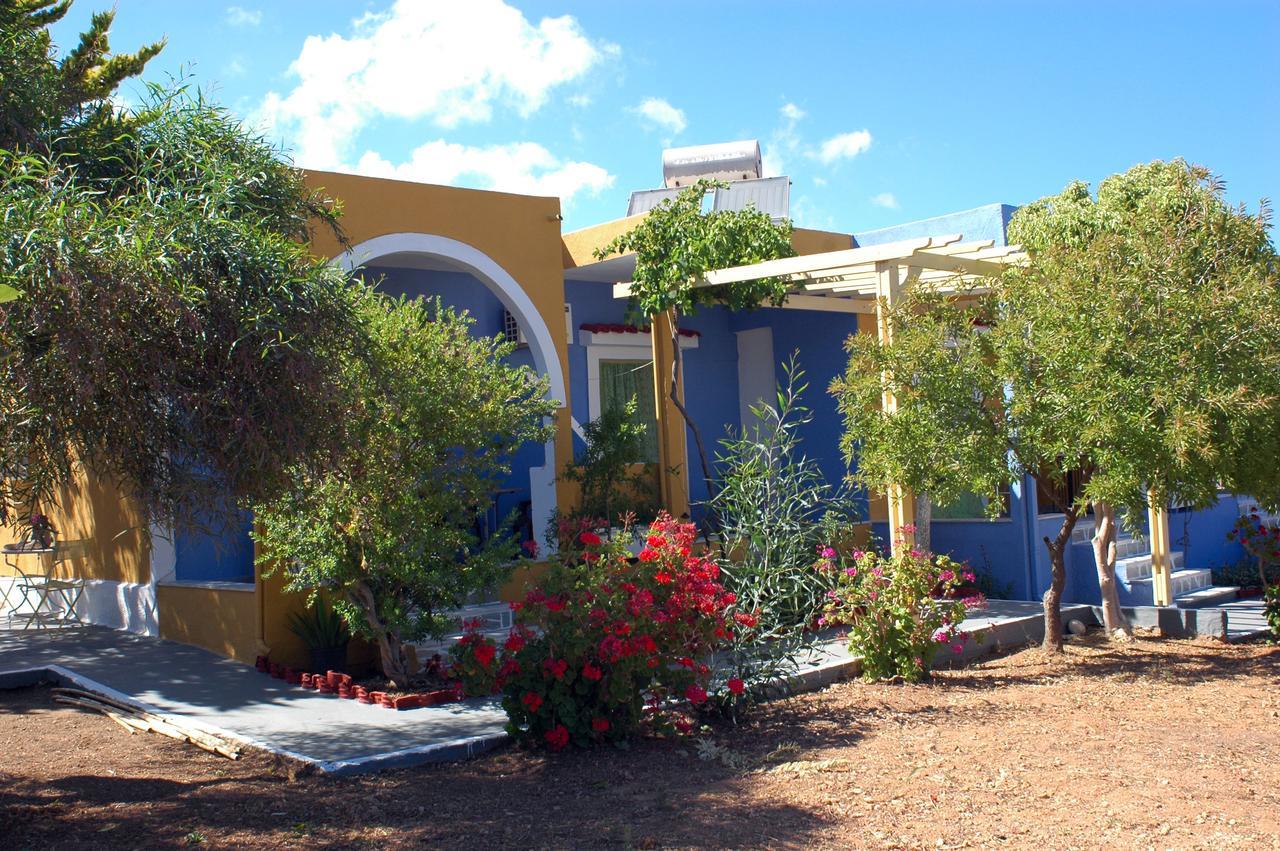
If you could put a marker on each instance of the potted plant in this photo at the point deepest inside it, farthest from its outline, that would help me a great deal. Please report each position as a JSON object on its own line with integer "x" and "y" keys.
{"x": 325, "y": 633}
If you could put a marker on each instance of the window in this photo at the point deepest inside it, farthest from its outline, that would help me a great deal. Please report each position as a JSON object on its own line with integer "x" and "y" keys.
{"x": 620, "y": 381}
{"x": 971, "y": 506}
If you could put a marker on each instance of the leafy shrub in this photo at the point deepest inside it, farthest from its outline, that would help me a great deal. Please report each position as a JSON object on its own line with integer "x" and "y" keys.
{"x": 1271, "y": 608}
{"x": 320, "y": 627}
{"x": 1261, "y": 541}
{"x": 896, "y": 608}
{"x": 614, "y": 443}
{"x": 600, "y": 648}
{"x": 776, "y": 508}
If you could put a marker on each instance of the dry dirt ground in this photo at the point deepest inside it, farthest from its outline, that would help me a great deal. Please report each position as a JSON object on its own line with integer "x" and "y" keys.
{"x": 1158, "y": 744}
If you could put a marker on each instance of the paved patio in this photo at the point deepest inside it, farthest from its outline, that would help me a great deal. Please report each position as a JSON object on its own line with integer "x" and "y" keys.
{"x": 343, "y": 736}
{"x": 234, "y": 700}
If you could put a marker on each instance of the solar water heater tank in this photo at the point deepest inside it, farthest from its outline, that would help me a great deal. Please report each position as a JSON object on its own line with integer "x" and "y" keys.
{"x": 721, "y": 161}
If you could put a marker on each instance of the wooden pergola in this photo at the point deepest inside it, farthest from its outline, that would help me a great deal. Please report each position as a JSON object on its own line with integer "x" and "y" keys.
{"x": 872, "y": 281}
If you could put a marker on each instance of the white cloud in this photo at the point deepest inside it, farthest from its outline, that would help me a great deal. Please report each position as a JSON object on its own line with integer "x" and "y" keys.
{"x": 581, "y": 101}
{"x": 662, "y": 114}
{"x": 784, "y": 142}
{"x": 885, "y": 199}
{"x": 844, "y": 146}
{"x": 238, "y": 16}
{"x": 522, "y": 167}
{"x": 445, "y": 62}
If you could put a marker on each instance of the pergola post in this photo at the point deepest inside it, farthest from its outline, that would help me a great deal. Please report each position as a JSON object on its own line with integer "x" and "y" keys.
{"x": 888, "y": 293}
{"x": 1161, "y": 563}
{"x": 673, "y": 477}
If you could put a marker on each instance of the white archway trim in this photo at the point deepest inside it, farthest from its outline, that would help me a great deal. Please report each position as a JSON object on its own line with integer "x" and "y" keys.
{"x": 542, "y": 492}
{"x": 484, "y": 267}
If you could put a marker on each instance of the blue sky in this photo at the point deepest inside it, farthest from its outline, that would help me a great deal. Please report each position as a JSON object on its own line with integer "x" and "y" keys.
{"x": 879, "y": 112}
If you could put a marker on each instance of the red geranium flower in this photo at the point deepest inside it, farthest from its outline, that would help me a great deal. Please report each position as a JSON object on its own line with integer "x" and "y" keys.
{"x": 484, "y": 654}
{"x": 736, "y": 686}
{"x": 556, "y": 668}
{"x": 557, "y": 737}
{"x": 662, "y": 577}
{"x": 599, "y": 724}
{"x": 697, "y": 694}
{"x": 648, "y": 555}
{"x": 655, "y": 540}
{"x": 591, "y": 672}
{"x": 589, "y": 539}
{"x": 532, "y": 701}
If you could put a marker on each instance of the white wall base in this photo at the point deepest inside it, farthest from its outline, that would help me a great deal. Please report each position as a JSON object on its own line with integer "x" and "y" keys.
{"x": 129, "y": 606}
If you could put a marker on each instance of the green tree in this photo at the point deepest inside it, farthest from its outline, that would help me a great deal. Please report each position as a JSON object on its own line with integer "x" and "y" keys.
{"x": 675, "y": 245}
{"x": 1137, "y": 351}
{"x": 175, "y": 335}
{"x": 1144, "y": 340}
{"x": 390, "y": 528}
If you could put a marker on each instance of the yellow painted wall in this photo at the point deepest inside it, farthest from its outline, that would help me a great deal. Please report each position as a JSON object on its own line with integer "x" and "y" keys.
{"x": 101, "y": 533}
{"x": 217, "y": 619}
{"x": 521, "y": 233}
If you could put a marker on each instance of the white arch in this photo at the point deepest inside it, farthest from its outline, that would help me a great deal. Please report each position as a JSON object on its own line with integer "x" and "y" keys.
{"x": 484, "y": 268}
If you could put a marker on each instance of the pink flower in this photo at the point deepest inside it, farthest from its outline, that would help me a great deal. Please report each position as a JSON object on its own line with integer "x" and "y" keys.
{"x": 957, "y": 648}
{"x": 828, "y": 552}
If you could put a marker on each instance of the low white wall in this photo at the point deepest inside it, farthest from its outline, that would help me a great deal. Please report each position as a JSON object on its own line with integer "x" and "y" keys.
{"x": 129, "y": 606}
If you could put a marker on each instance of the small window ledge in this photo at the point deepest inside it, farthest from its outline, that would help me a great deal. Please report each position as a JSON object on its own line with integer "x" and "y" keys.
{"x": 210, "y": 585}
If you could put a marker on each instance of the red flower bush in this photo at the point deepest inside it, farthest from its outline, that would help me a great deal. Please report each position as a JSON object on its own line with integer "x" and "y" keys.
{"x": 604, "y": 643}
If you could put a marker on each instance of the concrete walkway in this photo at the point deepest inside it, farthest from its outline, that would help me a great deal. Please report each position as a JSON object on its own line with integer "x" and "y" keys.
{"x": 234, "y": 700}
{"x": 343, "y": 736}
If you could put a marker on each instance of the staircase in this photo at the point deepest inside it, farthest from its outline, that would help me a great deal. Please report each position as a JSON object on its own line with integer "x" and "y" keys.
{"x": 1192, "y": 589}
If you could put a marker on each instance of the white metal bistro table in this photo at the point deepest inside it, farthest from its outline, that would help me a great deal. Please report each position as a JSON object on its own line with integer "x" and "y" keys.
{"x": 35, "y": 596}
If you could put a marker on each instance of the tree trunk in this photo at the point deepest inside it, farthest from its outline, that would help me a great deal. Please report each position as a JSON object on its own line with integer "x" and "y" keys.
{"x": 677, "y": 362}
{"x": 390, "y": 649}
{"x": 1104, "y": 558}
{"x": 1053, "y": 594}
{"x": 922, "y": 516}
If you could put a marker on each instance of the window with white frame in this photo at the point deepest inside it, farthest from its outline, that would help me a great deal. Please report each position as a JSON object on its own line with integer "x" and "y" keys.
{"x": 619, "y": 368}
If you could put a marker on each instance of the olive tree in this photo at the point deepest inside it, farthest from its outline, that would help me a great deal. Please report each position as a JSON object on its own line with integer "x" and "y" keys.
{"x": 1137, "y": 352}
{"x": 675, "y": 245}
{"x": 390, "y": 529}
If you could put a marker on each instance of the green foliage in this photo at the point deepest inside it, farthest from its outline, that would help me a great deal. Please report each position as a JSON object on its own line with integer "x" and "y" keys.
{"x": 897, "y": 609}
{"x": 427, "y": 435}
{"x": 951, "y": 435}
{"x": 675, "y": 246}
{"x": 61, "y": 106}
{"x": 174, "y": 333}
{"x": 777, "y": 510}
{"x": 1142, "y": 343}
{"x": 1271, "y": 608}
{"x": 678, "y": 243}
{"x": 614, "y": 442}
{"x": 320, "y": 627}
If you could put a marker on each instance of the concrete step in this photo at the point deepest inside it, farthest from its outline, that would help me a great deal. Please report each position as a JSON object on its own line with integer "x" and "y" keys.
{"x": 1138, "y": 567}
{"x": 1214, "y": 595}
{"x": 1141, "y": 592}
